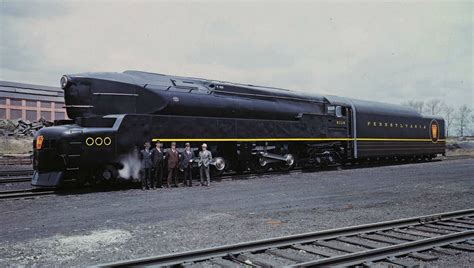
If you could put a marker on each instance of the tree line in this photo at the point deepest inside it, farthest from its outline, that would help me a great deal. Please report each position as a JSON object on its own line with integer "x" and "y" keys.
{"x": 459, "y": 119}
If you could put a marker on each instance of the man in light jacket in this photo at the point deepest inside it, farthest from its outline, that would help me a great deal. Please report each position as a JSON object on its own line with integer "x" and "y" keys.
{"x": 205, "y": 158}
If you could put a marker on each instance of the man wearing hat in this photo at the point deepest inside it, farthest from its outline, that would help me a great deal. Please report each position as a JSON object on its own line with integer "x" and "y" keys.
{"x": 146, "y": 163}
{"x": 157, "y": 156}
{"x": 205, "y": 158}
{"x": 187, "y": 165}
{"x": 172, "y": 157}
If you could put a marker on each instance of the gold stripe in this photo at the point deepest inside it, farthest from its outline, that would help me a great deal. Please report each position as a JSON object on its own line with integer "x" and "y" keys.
{"x": 289, "y": 139}
{"x": 259, "y": 139}
{"x": 386, "y": 139}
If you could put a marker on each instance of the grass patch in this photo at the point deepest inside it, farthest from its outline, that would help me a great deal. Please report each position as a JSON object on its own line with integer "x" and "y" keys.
{"x": 12, "y": 145}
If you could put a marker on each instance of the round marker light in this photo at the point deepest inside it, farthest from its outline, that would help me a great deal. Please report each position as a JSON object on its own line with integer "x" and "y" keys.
{"x": 89, "y": 141}
{"x": 99, "y": 141}
{"x": 107, "y": 141}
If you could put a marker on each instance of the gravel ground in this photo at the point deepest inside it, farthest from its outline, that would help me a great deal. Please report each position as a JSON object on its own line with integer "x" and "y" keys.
{"x": 94, "y": 228}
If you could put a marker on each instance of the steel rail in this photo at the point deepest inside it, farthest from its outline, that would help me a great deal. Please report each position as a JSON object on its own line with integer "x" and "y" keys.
{"x": 16, "y": 172}
{"x": 14, "y": 179}
{"x": 260, "y": 245}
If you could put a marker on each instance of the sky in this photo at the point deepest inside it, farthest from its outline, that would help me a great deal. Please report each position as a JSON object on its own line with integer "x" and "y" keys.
{"x": 382, "y": 51}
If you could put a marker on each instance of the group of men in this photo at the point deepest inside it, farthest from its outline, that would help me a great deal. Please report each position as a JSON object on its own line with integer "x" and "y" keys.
{"x": 153, "y": 164}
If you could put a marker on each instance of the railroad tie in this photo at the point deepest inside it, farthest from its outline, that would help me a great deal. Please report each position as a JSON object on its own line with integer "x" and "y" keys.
{"x": 366, "y": 243}
{"x": 423, "y": 256}
{"x": 456, "y": 225}
{"x": 414, "y": 233}
{"x": 378, "y": 238}
{"x": 445, "y": 251}
{"x": 250, "y": 258}
{"x": 331, "y": 245}
{"x": 447, "y": 228}
{"x": 403, "y": 263}
{"x": 314, "y": 250}
{"x": 430, "y": 230}
{"x": 463, "y": 247}
{"x": 224, "y": 263}
{"x": 462, "y": 221}
{"x": 405, "y": 237}
{"x": 286, "y": 255}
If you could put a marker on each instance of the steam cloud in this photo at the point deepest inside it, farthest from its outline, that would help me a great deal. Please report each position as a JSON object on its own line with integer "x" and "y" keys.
{"x": 131, "y": 167}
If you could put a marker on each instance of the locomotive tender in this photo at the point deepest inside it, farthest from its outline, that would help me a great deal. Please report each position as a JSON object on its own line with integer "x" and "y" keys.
{"x": 245, "y": 126}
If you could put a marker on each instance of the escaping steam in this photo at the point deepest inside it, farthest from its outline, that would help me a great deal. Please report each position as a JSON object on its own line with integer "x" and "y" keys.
{"x": 131, "y": 166}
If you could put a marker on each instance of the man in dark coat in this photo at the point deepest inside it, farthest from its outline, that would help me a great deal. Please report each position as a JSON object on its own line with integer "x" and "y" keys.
{"x": 158, "y": 159}
{"x": 172, "y": 156}
{"x": 146, "y": 163}
{"x": 187, "y": 165}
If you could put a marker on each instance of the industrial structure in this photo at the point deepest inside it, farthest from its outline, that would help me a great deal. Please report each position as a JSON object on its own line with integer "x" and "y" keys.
{"x": 31, "y": 102}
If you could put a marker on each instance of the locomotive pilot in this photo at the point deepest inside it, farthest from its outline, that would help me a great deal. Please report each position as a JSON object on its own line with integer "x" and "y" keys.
{"x": 205, "y": 158}
{"x": 158, "y": 158}
{"x": 146, "y": 163}
{"x": 172, "y": 156}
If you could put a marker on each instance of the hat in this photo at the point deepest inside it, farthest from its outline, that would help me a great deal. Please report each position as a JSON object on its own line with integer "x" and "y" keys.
{"x": 204, "y": 145}
{"x": 173, "y": 143}
{"x": 187, "y": 144}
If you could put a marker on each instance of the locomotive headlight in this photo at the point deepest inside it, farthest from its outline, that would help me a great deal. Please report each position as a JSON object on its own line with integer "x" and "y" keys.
{"x": 39, "y": 142}
{"x": 64, "y": 82}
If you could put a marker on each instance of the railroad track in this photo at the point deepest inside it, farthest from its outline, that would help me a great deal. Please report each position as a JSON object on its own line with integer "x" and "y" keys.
{"x": 24, "y": 175}
{"x": 25, "y": 193}
{"x": 15, "y": 175}
{"x": 15, "y": 179}
{"x": 385, "y": 243}
{"x": 15, "y": 172}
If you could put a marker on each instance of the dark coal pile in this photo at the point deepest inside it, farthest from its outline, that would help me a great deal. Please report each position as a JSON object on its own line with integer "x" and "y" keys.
{"x": 22, "y": 128}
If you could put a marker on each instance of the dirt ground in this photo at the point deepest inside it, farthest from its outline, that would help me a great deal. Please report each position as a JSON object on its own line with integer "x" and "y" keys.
{"x": 88, "y": 229}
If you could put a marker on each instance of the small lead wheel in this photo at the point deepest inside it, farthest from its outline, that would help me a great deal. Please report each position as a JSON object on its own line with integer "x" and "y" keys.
{"x": 260, "y": 165}
{"x": 109, "y": 175}
{"x": 287, "y": 165}
{"x": 217, "y": 167}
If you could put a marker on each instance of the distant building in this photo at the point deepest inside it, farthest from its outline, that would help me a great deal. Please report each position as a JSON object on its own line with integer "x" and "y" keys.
{"x": 31, "y": 102}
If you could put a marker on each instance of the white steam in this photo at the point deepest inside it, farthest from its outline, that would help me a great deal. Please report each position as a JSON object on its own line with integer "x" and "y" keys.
{"x": 131, "y": 167}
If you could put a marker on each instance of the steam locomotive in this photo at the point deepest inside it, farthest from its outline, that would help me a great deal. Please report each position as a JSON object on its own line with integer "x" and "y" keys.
{"x": 246, "y": 127}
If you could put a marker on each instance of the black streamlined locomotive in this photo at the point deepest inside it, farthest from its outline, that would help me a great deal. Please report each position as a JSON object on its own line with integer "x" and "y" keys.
{"x": 245, "y": 126}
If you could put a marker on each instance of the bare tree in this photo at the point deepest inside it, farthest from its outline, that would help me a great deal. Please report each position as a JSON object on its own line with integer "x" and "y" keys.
{"x": 463, "y": 118}
{"x": 418, "y": 105}
{"x": 434, "y": 106}
{"x": 448, "y": 117}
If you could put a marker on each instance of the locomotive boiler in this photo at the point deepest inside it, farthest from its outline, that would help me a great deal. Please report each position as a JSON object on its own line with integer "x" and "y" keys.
{"x": 247, "y": 127}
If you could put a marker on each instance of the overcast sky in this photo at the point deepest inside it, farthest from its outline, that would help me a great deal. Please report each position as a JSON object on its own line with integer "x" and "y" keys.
{"x": 383, "y": 51}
